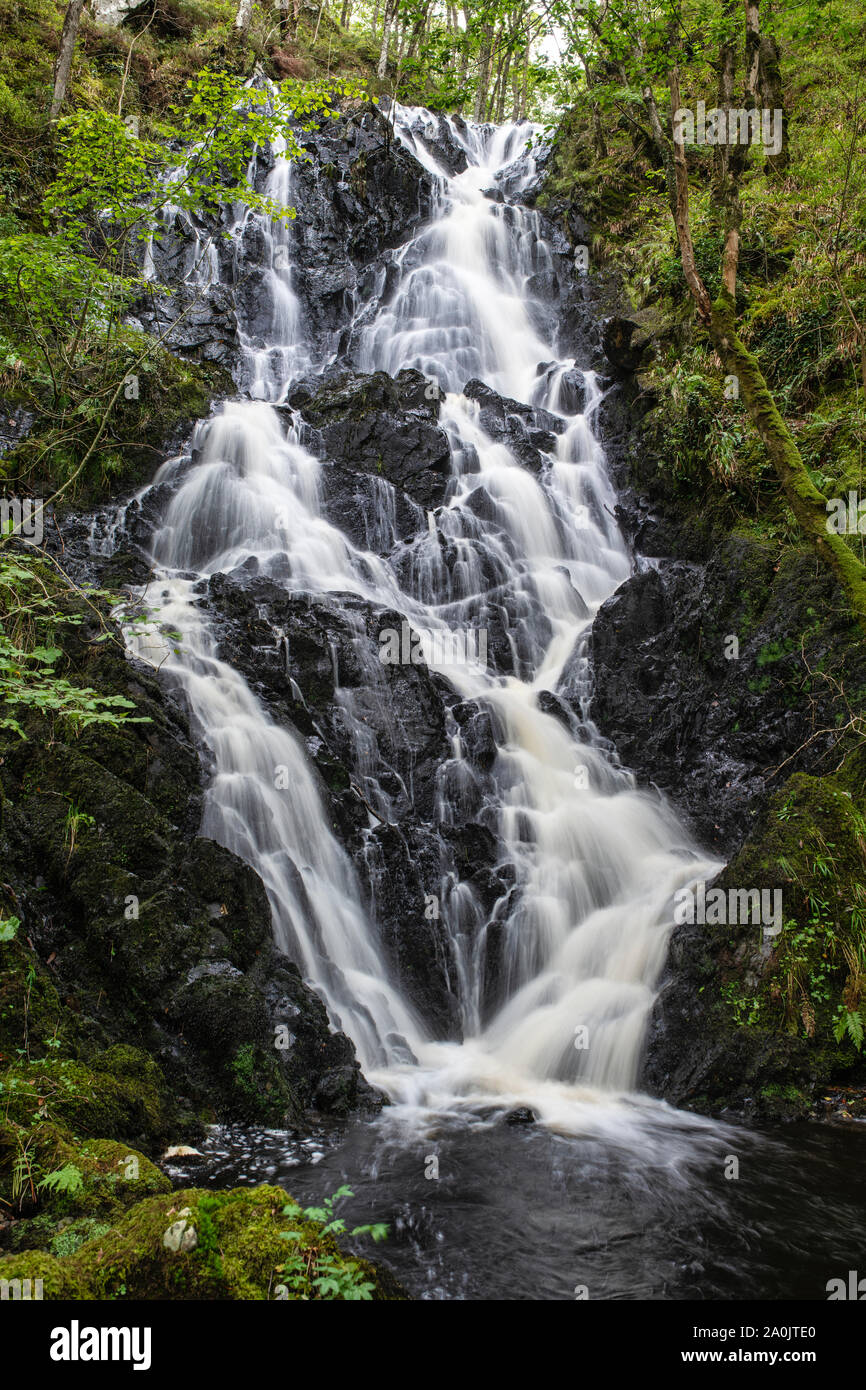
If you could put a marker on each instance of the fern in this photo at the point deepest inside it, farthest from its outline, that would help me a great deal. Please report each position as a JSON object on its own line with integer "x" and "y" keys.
{"x": 66, "y": 1179}
{"x": 850, "y": 1022}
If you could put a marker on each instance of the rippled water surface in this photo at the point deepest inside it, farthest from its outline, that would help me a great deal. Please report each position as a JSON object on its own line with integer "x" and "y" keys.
{"x": 519, "y": 1212}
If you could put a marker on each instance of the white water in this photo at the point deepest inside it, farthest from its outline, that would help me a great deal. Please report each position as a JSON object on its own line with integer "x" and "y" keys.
{"x": 597, "y": 860}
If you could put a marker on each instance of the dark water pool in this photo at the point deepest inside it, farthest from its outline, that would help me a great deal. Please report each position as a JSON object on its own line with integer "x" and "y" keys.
{"x": 640, "y": 1204}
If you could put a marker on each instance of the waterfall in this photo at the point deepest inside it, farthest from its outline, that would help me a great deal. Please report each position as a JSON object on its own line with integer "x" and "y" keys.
{"x": 596, "y": 861}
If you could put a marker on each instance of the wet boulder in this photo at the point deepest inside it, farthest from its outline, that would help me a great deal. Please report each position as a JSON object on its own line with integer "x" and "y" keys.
{"x": 203, "y": 1244}
{"x": 623, "y": 350}
{"x": 383, "y": 426}
{"x": 528, "y": 431}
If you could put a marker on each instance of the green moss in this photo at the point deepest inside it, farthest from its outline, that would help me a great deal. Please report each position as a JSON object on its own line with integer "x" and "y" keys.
{"x": 261, "y": 1089}
{"x": 811, "y": 844}
{"x": 58, "y": 1237}
{"x": 31, "y": 1012}
{"x": 118, "y": 1094}
{"x": 188, "y": 1245}
{"x": 237, "y": 1250}
{"x": 59, "y": 1277}
{"x": 112, "y": 1175}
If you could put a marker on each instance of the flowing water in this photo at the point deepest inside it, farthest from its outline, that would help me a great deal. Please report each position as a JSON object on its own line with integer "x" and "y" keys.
{"x": 597, "y": 861}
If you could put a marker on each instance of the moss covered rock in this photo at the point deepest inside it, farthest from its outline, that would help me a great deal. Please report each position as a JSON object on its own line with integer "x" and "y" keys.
{"x": 36, "y": 1274}
{"x": 136, "y": 931}
{"x": 118, "y": 1094}
{"x": 196, "y": 1244}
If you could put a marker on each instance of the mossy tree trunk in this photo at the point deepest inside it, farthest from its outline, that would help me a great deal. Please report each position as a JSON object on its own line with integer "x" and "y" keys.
{"x": 719, "y": 318}
{"x": 807, "y": 503}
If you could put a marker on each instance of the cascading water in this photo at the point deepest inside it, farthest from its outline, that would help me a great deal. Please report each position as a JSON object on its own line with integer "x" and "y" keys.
{"x": 596, "y": 862}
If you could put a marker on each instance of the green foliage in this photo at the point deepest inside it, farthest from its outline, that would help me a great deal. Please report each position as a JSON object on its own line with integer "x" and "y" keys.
{"x": 9, "y": 928}
{"x": 745, "y": 1008}
{"x": 813, "y": 983}
{"x": 64, "y": 291}
{"x": 851, "y": 1024}
{"x": 67, "y": 1179}
{"x": 31, "y": 611}
{"x": 120, "y": 181}
{"x": 311, "y": 1270}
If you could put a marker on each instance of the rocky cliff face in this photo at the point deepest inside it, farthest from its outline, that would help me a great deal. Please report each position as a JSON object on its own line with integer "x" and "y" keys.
{"x": 359, "y": 199}
{"x": 160, "y": 938}
{"x": 194, "y": 977}
{"x": 727, "y": 672}
{"x": 143, "y": 932}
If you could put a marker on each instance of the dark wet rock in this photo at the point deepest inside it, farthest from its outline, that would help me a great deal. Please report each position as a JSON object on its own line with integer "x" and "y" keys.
{"x": 718, "y": 732}
{"x": 362, "y": 194}
{"x": 477, "y": 855}
{"x": 16, "y": 423}
{"x": 572, "y": 392}
{"x": 432, "y": 131}
{"x": 696, "y": 1059}
{"x": 380, "y": 425}
{"x": 200, "y": 326}
{"x": 477, "y": 733}
{"x": 521, "y": 1115}
{"x": 405, "y": 866}
{"x": 522, "y": 180}
{"x": 556, "y": 707}
{"x": 528, "y": 431}
{"x": 624, "y": 352}
{"x": 309, "y": 658}
{"x": 155, "y": 936}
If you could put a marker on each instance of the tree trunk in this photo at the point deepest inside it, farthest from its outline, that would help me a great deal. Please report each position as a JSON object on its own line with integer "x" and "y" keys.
{"x": 503, "y": 87}
{"x": 770, "y": 79}
{"x": 387, "y": 19}
{"x": 806, "y": 502}
{"x": 418, "y": 31}
{"x": 680, "y": 201}
{"x": 63, "y": 66}
{"x": 599, "y": 142}
{"x": 463, "y": 70}
{"x": 524, "y": 99}
{"x": 493, "y": 102}
{"x": 485, "y": 63}
{"x": 243, "y": 16}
